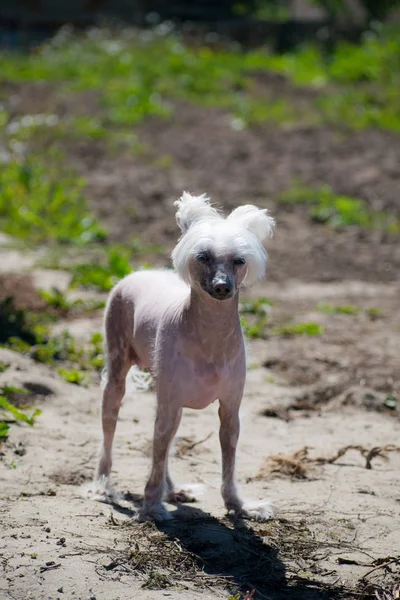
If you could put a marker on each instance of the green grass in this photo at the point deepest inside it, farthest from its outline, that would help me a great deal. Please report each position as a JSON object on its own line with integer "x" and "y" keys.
{"x": 56, "y": 299}
{"x": 338, "y": 211}
{"x": 309, "y": 329}
{"x": 136, "y": 75}
{"x": 341, "y": 309}
{"x": 74, "y": 376}
{"x": 29, "y": 333}
{"x": 103, "y": 276}
{"x": 359, "y": 83}
{"x": 254, "y": 317}
{"x": 40, "y": 205}
{"x": 10, "y": 413}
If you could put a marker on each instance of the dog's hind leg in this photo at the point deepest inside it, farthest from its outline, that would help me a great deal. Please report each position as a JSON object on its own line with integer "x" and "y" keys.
{"x": 120, "y": 358}
{"x": 181, "y": 493}
{"x": 167, "y": 422}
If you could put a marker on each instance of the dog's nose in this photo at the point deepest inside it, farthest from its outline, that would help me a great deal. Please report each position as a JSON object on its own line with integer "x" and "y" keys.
{"x": 222, "y": 289}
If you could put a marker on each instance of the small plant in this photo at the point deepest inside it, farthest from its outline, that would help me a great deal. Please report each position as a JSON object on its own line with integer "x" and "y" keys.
{"x": 309, "y": 329}
{"x": 40, "y": 205}
{"x": 374, "y": 313}
{"x": 344, "y": 309}
{"x": 258, "y": 311}
{"x": 73, "y": 376}
{"x": 105, "y": 276}
{"x": 58, "y": 300}
{"x": 7, "y": 410}
{"x": 96, "y": 352}
{"x": 3, "y": 366}
{"x": 338, "y": 211}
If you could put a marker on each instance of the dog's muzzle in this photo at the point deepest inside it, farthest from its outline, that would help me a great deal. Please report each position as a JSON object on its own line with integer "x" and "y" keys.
{"x": 221, "y": 289}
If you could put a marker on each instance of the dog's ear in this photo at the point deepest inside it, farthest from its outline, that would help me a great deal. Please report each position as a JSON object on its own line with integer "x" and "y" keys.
{"x": 256, "y": 220}
{"x": 192, "y": 209}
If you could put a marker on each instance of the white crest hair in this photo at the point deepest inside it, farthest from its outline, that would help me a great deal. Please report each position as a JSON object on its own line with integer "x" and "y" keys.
{"x": 192, "y": 209}
{"x": 256, "y": 220}
{"x": 204, "y": 228}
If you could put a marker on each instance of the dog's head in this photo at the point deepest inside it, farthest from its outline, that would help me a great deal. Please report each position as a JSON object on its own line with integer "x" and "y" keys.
{"x": 220, "y": 254}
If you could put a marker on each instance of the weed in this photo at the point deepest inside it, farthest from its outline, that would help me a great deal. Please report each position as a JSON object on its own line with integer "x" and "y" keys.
{"x": 374, "y": 313}
{"x": 343, "y": 309}
{"x": 258, "y": 309}
{"x": 366, "y": 79}
{"x": 40, "y": 205}
{"x": 7, "y": 410}
{"x": 56, "y": 299}
{"x": 259, "y": 306}
{"x": 143, "y": 71}
{"x": 95, "y": 352}
{"x": 74, "y": 376}
{"x": 309, "y": 329}
{"x": 3, "y": 366}
{"x": 338, "y": 211}
{"x": 103, "y": 276}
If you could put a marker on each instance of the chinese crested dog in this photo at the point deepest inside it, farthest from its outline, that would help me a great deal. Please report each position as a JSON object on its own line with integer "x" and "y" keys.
{"x": 184, "y": 327}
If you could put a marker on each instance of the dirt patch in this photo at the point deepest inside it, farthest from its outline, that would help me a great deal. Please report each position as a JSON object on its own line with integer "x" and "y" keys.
{"x": 199, "y": 150}
{"x": 34, "y": 98}
{"x": 21, "y": 289}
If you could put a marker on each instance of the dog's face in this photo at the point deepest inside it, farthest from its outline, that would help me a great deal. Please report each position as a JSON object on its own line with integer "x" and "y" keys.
{"x": 216, "y": 255}
{"x": 220, "y": 275}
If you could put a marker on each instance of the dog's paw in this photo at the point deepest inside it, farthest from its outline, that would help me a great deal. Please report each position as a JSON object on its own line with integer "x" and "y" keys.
{"x": 258, "y": 511}
{"x": 186, "y": 493}
{"x": 100, "y": 490}
{"x": 154, "y": 513}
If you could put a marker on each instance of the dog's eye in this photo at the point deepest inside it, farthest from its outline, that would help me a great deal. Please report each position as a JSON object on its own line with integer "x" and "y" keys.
{"x": 239, "y": 261}
{"x": 203, "y": 257}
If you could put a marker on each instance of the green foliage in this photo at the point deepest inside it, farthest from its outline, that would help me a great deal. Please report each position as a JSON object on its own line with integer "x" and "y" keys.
{"x": 39, "y": 205}
{"x": 3, "y": 366}
{"x": 374, "y": 313}
{"x": 339, "y": 211}
{"x": 310, "y": 329}
{"x": 258, "y": 311}
{"x": 56, "y": 299}
{"x": 258, "y": 306}
{"x": 8, "y": 410}
{"x": 343, "y": 309}
{"x": 58, "y": 348}
{"x": 103, "y": 276}
{"x": 95, "y": 352}
{"x": 136, "y": 74}
{"x": 73, "y": 376}
{"x": 360, "y": 84}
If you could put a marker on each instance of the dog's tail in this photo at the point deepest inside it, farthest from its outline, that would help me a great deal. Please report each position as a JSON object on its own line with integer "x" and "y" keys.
{"x": 136, "y": 380}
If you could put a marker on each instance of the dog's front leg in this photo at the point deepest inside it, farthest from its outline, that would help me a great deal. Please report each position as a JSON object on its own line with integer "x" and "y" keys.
{"x": 167, "y": 421}
{"x": 229, "y": 435}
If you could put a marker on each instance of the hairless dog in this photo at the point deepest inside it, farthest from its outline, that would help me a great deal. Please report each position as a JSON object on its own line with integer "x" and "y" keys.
{"x": 184, "y": 326}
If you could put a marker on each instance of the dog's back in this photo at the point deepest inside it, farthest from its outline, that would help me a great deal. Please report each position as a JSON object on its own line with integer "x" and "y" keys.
{"x": 136, "y": 306}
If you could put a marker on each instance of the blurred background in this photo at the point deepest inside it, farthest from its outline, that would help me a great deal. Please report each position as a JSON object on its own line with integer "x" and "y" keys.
{"x": 108, "y": 111}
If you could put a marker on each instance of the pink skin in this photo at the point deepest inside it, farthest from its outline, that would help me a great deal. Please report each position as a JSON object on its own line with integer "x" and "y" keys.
{"x": 193, "y": 365}
{"x": 190, "y": 338}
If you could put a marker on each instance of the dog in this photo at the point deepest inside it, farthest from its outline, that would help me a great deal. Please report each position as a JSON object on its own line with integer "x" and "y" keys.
{"x": 184, "y": 327}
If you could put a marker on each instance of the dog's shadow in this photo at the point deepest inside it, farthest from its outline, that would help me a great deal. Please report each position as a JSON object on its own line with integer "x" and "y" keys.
{"x": 232, "y": 549}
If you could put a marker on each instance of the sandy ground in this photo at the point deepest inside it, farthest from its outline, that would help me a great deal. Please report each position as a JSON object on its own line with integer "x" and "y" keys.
{"x": 337, "y": 533}
{"x": 337, "y": 520}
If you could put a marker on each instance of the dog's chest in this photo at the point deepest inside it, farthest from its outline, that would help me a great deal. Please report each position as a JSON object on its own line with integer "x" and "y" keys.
{"x": 205, "y": 383}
